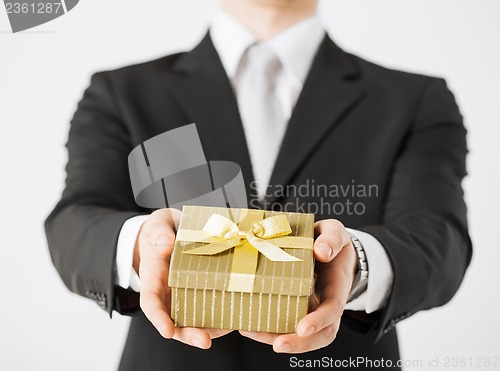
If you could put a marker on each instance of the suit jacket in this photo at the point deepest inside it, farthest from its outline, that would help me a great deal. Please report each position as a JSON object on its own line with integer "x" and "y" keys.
{"x": 355, "y": 123}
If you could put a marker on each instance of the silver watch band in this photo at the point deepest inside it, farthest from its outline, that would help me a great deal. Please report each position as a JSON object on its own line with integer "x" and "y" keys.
{"x": 360, "y": 281}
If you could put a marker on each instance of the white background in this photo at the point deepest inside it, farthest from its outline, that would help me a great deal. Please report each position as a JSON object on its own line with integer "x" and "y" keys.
{"x": 42, "y": 76}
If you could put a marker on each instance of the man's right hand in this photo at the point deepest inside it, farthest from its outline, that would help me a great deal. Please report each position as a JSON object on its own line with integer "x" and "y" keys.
{"x": 152, "y": 261}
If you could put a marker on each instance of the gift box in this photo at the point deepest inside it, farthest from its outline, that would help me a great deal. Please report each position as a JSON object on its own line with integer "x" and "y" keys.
{"x": 241, "y": 269}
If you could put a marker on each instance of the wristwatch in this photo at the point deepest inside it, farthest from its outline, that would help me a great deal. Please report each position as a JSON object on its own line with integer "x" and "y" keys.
{"x": 360, "y": 281}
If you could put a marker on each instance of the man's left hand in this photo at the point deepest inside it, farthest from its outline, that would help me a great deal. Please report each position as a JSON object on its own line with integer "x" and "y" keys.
{"x": 336, "y": 264}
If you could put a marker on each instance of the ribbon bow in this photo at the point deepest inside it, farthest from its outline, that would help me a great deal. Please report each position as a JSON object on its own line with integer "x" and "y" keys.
{"x": 266, "y": 236}
{"x": 228, "y": 235}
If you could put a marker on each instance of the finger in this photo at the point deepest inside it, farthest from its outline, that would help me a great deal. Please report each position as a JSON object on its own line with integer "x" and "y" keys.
{"x": 312, "y": 302}
{"x": 153, "y": 298}
{"x": 193, "y": 336}
{"x": 261, "y": 337}
{"x": 155, "y": 247}
{"x": 176, "y": 217}
{"x": 328, "y": 312}
{"x": 156, "y": 312}
{"x": 159, "y": 235}
{"x": 216, "y": 333}
{"x": 335, "y": 283}
{"x": 331, "y": 238}
{"x": 153, "y": 271}
{"x": 170, "y": 216}
{"x": 292, "y": 343}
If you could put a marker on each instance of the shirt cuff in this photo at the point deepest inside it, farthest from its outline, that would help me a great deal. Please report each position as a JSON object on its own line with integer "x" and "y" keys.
{"x": 126, "y": 276}
{"x": 380, "y": 275}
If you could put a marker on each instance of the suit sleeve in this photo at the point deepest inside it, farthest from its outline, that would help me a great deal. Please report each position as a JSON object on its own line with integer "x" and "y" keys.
{"x": 424, "y": 224}
{"x": 83, "y": 229}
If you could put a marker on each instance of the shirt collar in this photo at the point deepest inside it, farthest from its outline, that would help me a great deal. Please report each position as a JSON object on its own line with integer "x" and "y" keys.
{"x": 230, "y": 39}
{"x": 295, "y": 47}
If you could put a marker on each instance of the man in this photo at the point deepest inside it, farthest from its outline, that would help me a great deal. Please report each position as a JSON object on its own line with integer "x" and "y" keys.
{"x": 271, "y": 92}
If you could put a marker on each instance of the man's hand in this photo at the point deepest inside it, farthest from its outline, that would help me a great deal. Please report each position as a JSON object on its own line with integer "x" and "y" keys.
{"x": 152, "y": 260}
{"x": 335, "y": 268}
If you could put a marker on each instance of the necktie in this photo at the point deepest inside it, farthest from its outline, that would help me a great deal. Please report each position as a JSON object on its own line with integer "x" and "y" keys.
{"x": 261, "y": 112}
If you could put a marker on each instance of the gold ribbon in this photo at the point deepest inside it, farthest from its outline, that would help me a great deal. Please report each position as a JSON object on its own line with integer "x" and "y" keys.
{"x": 249, "y": 237}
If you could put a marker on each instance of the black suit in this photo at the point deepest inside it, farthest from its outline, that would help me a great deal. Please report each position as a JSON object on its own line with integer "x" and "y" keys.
{"x": 353, "y": 121}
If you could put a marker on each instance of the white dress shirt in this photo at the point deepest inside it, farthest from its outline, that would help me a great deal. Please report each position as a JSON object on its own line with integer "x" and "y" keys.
{"x": 295, "y": 47}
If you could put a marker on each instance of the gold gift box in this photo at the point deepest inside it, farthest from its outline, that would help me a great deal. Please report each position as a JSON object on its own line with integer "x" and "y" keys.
{"x": 241, "y": 288}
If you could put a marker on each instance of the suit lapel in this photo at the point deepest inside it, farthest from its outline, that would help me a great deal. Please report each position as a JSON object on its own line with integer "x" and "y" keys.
{"x": 202, "y": 88}
{"x": 331, "y": 89}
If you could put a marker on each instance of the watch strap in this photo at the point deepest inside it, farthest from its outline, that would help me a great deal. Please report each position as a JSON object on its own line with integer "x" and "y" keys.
{"x": 360, "y": 281}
